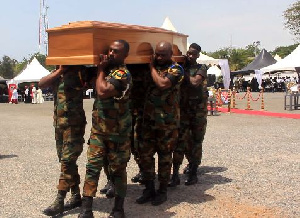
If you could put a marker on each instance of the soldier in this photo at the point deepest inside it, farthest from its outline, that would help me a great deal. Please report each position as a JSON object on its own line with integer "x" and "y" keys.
{"x": 67, "y": 83}
{"x": 160, "y": 123}
{"x": 111, "y": 128}
{"x": 137, "y": 97}
{"x": 140, "y": 81}
{"x": 193, "y": 117}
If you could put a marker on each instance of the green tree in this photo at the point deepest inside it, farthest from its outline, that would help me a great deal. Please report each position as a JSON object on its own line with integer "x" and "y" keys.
{"x": 42, "y": 59}
{"x": 284, "y": 51}
{"x": 292, "y": 19}
{"x": 252, "y": 50}
{"x": 20, "y": 66}
{"x": 237, "y": 57}
{"x": 222, "y": 53}
{"x": 7, "y": 66}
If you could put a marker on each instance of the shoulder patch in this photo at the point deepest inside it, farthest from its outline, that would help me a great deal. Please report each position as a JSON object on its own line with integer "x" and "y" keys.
{"x": 119, "y": 74}
{"x": 203, "y": 67}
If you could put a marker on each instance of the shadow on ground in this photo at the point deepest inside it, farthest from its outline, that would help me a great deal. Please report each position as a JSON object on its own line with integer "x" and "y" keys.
{"x": 195, "y": 194}
{"x": 8, "y": 156}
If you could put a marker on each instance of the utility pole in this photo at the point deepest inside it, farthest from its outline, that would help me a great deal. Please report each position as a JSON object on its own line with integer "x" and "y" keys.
{"x": 43, "y": 26}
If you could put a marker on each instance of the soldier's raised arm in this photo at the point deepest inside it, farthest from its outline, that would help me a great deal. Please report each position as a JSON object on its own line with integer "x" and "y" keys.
{"x": 48, "y": 81}
{"x": 115, "y": 83}
{"x": 104, "y": 88}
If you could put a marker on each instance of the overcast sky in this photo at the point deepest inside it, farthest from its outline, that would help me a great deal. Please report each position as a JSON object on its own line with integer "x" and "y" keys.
{"x": 213, "y": 24}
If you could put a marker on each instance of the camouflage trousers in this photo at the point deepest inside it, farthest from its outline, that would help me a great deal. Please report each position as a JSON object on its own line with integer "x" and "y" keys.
{"x": 162, "y": 142}
{"x": 191, "y": 135}
{"x": 69, "y": 145}
{"x": 116, "y": 151}
{"x": 136, "y": 136}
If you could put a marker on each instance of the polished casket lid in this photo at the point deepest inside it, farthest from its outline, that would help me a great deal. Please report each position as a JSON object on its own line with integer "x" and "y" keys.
{"x": 82, "y": 42}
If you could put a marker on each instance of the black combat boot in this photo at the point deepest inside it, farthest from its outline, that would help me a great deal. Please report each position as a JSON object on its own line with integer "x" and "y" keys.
{"x": 106, "y": 187}
{"x": 161, "y": 195}
{"x": 148, "y": 193}
{"x": 86, "y": 208}
{"x": 58, "y": 205}
{"x": 192, "y": 176}
{"x": 118, "y": 209}
{"x": 75, "y": 200}
{"x": 186, "y": 170}
{"x": 175, "y": 180}
{"x": 137, "y": 178}
{"x": 111, "y": 190}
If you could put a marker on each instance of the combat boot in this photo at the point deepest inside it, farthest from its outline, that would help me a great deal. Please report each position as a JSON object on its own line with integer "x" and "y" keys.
{"x": 58, "y": 205}
{"x": 186, "y": 170}
{"x": 175, "y": 180}
{"x": 137, "y": 178}
{"x": 111, "y": 190}
{"x": 75, "y": 200}
{"x": 192, "y": 176}
{"x": 118, "y": 209}
{"x": 86, "y": 208}
{"x": 106, "y": 187}
{"x": 148, "y": 193}
{"x": 161, "y": 195}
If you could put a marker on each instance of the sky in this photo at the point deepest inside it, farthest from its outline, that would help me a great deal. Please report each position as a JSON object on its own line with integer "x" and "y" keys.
{"x": 213, "y": 24}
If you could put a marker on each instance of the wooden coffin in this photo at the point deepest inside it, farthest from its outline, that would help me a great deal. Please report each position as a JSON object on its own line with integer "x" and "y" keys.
{"x": 80, "y": 43}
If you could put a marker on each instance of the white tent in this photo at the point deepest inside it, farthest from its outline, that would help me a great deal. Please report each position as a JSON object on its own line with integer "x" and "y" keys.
{"x": 205, "y": 59}
{"x": 287, "y": 64}
{"x": 215, "y": 71}
{"x": 277, "y": 57}
{"x": 223, "y": 63}
{"x": 168, "y": 25}
{"x": 33, "y": 72}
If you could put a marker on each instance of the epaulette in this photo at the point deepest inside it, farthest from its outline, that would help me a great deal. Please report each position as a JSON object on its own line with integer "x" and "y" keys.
{"x": 176, "y": 65}
{"x": 203, "y": 67}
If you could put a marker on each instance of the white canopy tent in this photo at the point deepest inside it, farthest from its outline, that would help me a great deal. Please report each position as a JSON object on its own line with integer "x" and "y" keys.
{"x": 168, "y": 25}
{"x": 289, "y": 63}
{"x": 223, "y": 63}
{"x": 277, "y": 57}
{"x": 33, "y": 72}
{"x": 214, "y": 70}
{"x": 204, "y": 59}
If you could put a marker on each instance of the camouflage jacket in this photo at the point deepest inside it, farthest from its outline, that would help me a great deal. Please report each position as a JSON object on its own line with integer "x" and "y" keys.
{"x": 140, "y": 80}
{"x": 68, "y": 100}
{"x": 189, "y": 93}
{"x": 162, "y": 106}
{"x": 112, "y": 116}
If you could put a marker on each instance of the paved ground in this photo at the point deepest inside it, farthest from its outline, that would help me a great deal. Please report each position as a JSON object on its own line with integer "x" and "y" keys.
{"x": 251, "y": 167}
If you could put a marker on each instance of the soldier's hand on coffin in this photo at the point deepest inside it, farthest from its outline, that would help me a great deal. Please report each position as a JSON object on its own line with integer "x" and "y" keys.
{"x": 62, "y": 69}
{"x": 103, "y": 61}
{"x": 185, "y": 59}
{"x": 152, "y": 61}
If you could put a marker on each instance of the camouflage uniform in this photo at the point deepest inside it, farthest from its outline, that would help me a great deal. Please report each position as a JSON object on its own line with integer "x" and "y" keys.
{"x": 160, "y": 125}
{"x": 110, "y": 135}
{"x": 69, "y": 123}
{"x": 193, "y": 117}
{"x": 137, "y": 96}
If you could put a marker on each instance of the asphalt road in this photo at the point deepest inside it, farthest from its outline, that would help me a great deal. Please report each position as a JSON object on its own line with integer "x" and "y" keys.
{"x": 250, "y": 168}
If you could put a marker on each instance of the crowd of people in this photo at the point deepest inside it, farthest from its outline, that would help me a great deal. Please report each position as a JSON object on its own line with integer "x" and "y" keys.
{"x": 141, "y": 110}
{"x": 272, "y": 84}
{"x": 26, "y": 95}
